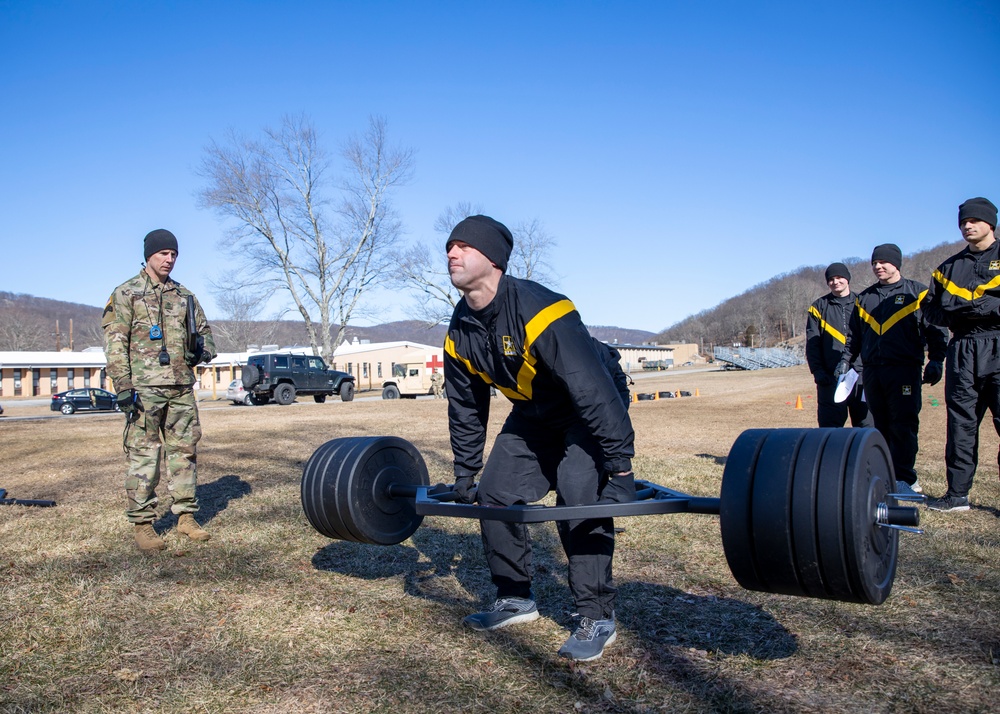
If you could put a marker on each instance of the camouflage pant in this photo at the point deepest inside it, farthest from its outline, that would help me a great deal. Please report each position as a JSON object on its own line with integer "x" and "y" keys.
{"x": 168, "y": 425}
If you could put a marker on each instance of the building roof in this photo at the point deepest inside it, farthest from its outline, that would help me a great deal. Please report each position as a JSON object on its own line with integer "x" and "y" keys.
{"x": 354, "y": 348}
{"x": 29, "y": 360}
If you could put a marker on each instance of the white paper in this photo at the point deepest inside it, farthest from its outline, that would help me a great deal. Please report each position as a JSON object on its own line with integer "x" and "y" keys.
{"x": 845, "y": 385}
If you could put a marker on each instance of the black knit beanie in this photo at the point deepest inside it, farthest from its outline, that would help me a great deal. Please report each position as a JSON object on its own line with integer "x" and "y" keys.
{"x": 489, "y": 237}
{"x": 160, "y": 239}
{"x": 838, "y": 270}
{"x": 888, "y": 253}
{"x": 981, "y": 209}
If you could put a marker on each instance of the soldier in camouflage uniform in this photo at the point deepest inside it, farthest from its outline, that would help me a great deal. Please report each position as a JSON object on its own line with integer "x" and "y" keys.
{"x": 150, "y": 364}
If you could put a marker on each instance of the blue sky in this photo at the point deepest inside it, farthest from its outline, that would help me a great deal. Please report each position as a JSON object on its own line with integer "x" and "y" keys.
{"x": 679, "y": 152}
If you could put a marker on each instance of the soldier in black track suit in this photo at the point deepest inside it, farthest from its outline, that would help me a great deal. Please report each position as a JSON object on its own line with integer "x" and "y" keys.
{"x": 827, "y": 324}
{"x": 964, "y": 296}
{"x": 889, "y": 331}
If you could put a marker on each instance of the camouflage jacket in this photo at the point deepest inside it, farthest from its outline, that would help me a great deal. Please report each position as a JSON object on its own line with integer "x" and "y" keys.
{"x": 133, "y": 356}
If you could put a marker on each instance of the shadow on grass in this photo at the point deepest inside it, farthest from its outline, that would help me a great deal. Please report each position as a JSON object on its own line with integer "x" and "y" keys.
{"x": 434, "y": 557}
{"x": 213, "y": 498}
{"x": 987, "y": 509}
{"x": 717, "y": 460}
{"x": 446, "y": 568}
{"x": 664, "y": 617}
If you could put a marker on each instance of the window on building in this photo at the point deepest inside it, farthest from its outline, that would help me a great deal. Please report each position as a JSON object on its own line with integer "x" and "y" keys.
{"x": 70, "y": 376}
{"x": 54, "y": 380}
{"x": 104, "y": 378}
{"x": 17, "y": 383}
{"x": 86, "y": 378}
{"x": 364, "y": 369}
{"x": 36, "y": 379}
{"x": 379, "y": 373}
{"x": 1, "y": 381}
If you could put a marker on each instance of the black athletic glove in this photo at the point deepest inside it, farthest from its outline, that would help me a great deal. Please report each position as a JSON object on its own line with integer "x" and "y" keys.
{"x": 465, "y": 489}
{"x": 130, "y": 404}
{"x": 843, "y": 367}
{"x": 618, "y": 489}
{"x": 933, "y": 373}
{"x": 823, "y": 379}
{"x": 196, "y": 357}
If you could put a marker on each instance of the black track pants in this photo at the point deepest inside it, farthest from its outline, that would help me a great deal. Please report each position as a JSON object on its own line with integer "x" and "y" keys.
{"x": 526, "y": 462}
{"x": 894, "y": 399}
{"x": 831, "y": 414}
{"x": 971, "y": 386}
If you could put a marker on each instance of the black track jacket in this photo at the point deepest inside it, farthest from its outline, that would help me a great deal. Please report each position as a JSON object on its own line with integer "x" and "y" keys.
{"x": 889, "y": 328}
{"x": 531, "y": 344}
{"x": 964, "y": 295}
{"x": 827, "y": 324}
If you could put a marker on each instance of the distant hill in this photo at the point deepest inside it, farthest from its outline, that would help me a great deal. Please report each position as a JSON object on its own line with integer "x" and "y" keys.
{"x": 34, "y": 323}
{"x": 30, "y": 323}
{"x": 774, "y": 312}
{"x": 768, "y": 314}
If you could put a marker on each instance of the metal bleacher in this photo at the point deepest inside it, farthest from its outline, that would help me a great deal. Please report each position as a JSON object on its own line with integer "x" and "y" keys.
{"x": 757, "y": 357}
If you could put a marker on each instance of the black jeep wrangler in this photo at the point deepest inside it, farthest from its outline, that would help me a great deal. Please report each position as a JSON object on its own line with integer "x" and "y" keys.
{"x": 280, "y": 376}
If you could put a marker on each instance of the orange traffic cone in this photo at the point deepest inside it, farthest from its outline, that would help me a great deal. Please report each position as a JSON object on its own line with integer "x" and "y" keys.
{"x": 696, "y": 393}
{"x": 798, "y": 402}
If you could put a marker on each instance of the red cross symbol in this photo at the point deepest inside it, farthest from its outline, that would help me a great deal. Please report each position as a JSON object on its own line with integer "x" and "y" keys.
{"x": 435, "y": 363}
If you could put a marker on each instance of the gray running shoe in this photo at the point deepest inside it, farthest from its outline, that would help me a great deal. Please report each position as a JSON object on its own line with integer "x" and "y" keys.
{"x": 949, "y": 503}
{"x": 913, "y": 490}
{"x": 589, "y": 640}
{"x": 505, "y": 611}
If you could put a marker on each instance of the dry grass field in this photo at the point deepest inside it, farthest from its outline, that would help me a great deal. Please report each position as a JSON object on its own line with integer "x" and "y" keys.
{"x": 269, "y": 616}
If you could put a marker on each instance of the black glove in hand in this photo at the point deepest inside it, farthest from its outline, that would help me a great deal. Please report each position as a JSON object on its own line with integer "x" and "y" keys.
{"x": 842, "y": 368}
{"x": 619, "y": 489}
{"x": 130, "y": 404}
{"x": 823, "y": 379}
{"x": 465, "y": 489}
{"x": 933, "y": 373}
{"x": 198, "y": 355}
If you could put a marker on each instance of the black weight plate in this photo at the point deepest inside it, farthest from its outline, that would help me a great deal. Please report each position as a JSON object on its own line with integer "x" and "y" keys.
{"x": 370, "y": 514}
{"x": 771, "y": 511}
{"x": 331, "y": 493}
{"x": 342, "y": 488}
{"x": 735, "y": 508}
{"x": 319, "y": 492}
{"x": 871, "y": 550}
{"x": 830, "y": 516}
{"x": 805, "y": 536}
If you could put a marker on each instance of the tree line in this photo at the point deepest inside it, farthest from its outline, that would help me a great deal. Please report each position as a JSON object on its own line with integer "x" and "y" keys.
{"x": 773, "y": 313}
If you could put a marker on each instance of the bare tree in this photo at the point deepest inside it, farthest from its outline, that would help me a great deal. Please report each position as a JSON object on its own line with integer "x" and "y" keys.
{"x": 530, "y": 258}
{"x": 423, "y": 269}
{"x": 21, "y": 331}
{"x": 241, "y": 308}
{"x": 286, "y": 234}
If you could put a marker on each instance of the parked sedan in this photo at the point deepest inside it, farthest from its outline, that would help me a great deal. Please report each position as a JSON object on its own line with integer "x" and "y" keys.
{"x": 82, "y": 400}
{"x": 237, "y": 394}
